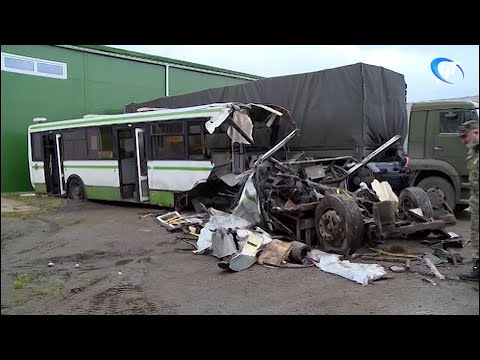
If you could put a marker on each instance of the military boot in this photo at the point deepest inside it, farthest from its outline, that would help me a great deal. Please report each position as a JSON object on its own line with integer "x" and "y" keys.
{"x": 471, "y": 276}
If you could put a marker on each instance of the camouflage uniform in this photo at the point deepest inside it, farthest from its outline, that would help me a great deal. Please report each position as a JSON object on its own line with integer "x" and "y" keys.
{"x": 472, "y": 165}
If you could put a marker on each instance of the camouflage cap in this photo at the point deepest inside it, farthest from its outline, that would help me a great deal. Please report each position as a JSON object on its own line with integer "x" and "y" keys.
{"x": 467, "y": 126}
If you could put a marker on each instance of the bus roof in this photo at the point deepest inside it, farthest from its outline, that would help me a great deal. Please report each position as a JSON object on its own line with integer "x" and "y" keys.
{"x": 204, "y": 111}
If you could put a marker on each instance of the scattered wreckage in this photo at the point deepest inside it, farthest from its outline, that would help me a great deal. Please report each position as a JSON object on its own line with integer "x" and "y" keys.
{"x": 323, "y": 200}
{"x": 335, "y": 203}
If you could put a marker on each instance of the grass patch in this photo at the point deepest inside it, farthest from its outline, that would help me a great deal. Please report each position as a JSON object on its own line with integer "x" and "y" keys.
{"x": 44, "y": 205}
{"x": 76, "y": 222}
{"x": 96, "y": 280}
{"x": 21, "y": 301}
{"x": 9, "y": 236}
{"x": 55, "y": 291}
{"x": 22, "y": 280}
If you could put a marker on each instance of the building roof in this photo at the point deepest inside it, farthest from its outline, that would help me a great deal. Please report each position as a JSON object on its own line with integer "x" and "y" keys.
{"x": 160, "y": 59}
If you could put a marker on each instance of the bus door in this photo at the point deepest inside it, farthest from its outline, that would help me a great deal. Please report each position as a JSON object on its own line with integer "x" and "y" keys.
{"x": 53, "y": 164}
{"x": 60, "y": 171}
{"x": 142, "y": 170}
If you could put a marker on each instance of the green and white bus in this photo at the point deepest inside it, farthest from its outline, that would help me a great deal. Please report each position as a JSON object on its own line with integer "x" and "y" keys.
{"x": 164, "y": 157}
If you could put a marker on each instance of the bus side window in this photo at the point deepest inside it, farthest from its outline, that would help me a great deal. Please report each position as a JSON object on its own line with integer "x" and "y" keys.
{"x": 75, "y": 145}
{"x": 196, "y": 142}
{"x": 37, "y": 147}
{"x": 100, "y": 143}
{"x": 168, "y": 141}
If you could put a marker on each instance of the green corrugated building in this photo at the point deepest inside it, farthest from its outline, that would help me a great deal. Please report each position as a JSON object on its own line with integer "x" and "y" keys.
{"x": 69, "y": 81}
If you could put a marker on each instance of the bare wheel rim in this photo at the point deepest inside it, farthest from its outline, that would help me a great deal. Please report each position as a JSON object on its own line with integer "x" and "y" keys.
{"x": 332, "y": 227}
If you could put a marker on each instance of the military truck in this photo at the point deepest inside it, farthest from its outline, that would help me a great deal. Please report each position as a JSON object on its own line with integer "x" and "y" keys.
{"x": 436, "y": 155}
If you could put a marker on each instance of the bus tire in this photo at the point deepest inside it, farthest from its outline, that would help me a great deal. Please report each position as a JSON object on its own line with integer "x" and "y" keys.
{"x": 76, "y": 190}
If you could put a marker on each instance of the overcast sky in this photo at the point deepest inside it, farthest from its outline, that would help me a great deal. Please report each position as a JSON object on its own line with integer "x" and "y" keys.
{"x": 413, "y": 61}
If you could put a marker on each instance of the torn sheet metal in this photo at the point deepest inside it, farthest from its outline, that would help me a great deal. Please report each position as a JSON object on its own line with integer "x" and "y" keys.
{"x": 247, "y": 207}
{"x": 374, "y": 153}
{"x": 218, "y": 222}
{"x": 244, "y": 122}
{"x": 243, "y": 235}
{"x": 360, "y": 273}
{"x": 248, "y": 255}
{"x": 277, "y": 147}
{"x": 315, "y": 172}
{"x": 268, "y": 108}
{"x": 271, "y": 120}
{"x": 230, "y": 179}
{"x": 223, "y": 244}
{"x": 217, "y": 120}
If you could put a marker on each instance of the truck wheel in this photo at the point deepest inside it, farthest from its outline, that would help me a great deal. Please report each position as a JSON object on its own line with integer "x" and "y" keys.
{"x": 76, "y": 190}
{"x": 339, "y": 224}
{"x": 439, "y": 190}
{"x": 415, "y": 197}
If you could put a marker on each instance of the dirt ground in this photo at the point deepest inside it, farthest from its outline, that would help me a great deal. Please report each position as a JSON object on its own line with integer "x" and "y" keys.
{"x": 108, "y": 260}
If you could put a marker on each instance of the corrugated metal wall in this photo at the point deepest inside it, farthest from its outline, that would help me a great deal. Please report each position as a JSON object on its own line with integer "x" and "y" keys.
{"x": 96, "y": 84}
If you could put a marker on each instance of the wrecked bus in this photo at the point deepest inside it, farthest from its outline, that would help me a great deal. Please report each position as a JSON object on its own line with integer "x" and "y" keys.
{"x": 162, "y": 157}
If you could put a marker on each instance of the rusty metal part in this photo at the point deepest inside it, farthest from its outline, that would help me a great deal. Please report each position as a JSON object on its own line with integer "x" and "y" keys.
{"x": 332, "y": 227}
{"x": 299, "y": 251}
{"x": 384, "y": 213}
{"x": 382, "y": 258}
{"x": 410, "y": 228}
{"x": 383, "y": 252}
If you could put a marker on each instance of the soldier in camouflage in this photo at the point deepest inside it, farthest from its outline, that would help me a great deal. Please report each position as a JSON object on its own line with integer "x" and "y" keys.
{"x": 468, "y": 132}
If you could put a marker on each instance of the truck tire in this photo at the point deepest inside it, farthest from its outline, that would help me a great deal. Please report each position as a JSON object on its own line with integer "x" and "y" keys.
{"x": 439, "y": 189}
{"x": 415, "y": 197}
{"x": 339, "y": 224}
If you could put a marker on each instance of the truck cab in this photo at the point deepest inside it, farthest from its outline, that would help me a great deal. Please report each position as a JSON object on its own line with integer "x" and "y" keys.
{"x": 436, "y": 156}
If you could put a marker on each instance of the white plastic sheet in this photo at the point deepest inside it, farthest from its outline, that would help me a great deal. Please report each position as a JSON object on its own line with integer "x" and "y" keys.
{"x": 360, "y": 273}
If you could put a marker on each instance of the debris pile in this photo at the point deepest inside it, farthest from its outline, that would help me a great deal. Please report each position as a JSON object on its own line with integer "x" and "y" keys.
{"x": 337, "y": 204}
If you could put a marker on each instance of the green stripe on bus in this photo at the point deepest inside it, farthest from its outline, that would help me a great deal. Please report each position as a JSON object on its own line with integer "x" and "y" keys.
{"x": 90, "y": 166}
{"x": 40, "y": 188}
{"x": 181, "y": 168}
{"x": 102, "y": 193}
{"x": 162, "y": 198}
{"x": 90, "y": 121}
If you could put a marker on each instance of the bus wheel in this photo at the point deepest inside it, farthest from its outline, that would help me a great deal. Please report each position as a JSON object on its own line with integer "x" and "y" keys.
{"x": 76, "y": 190}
